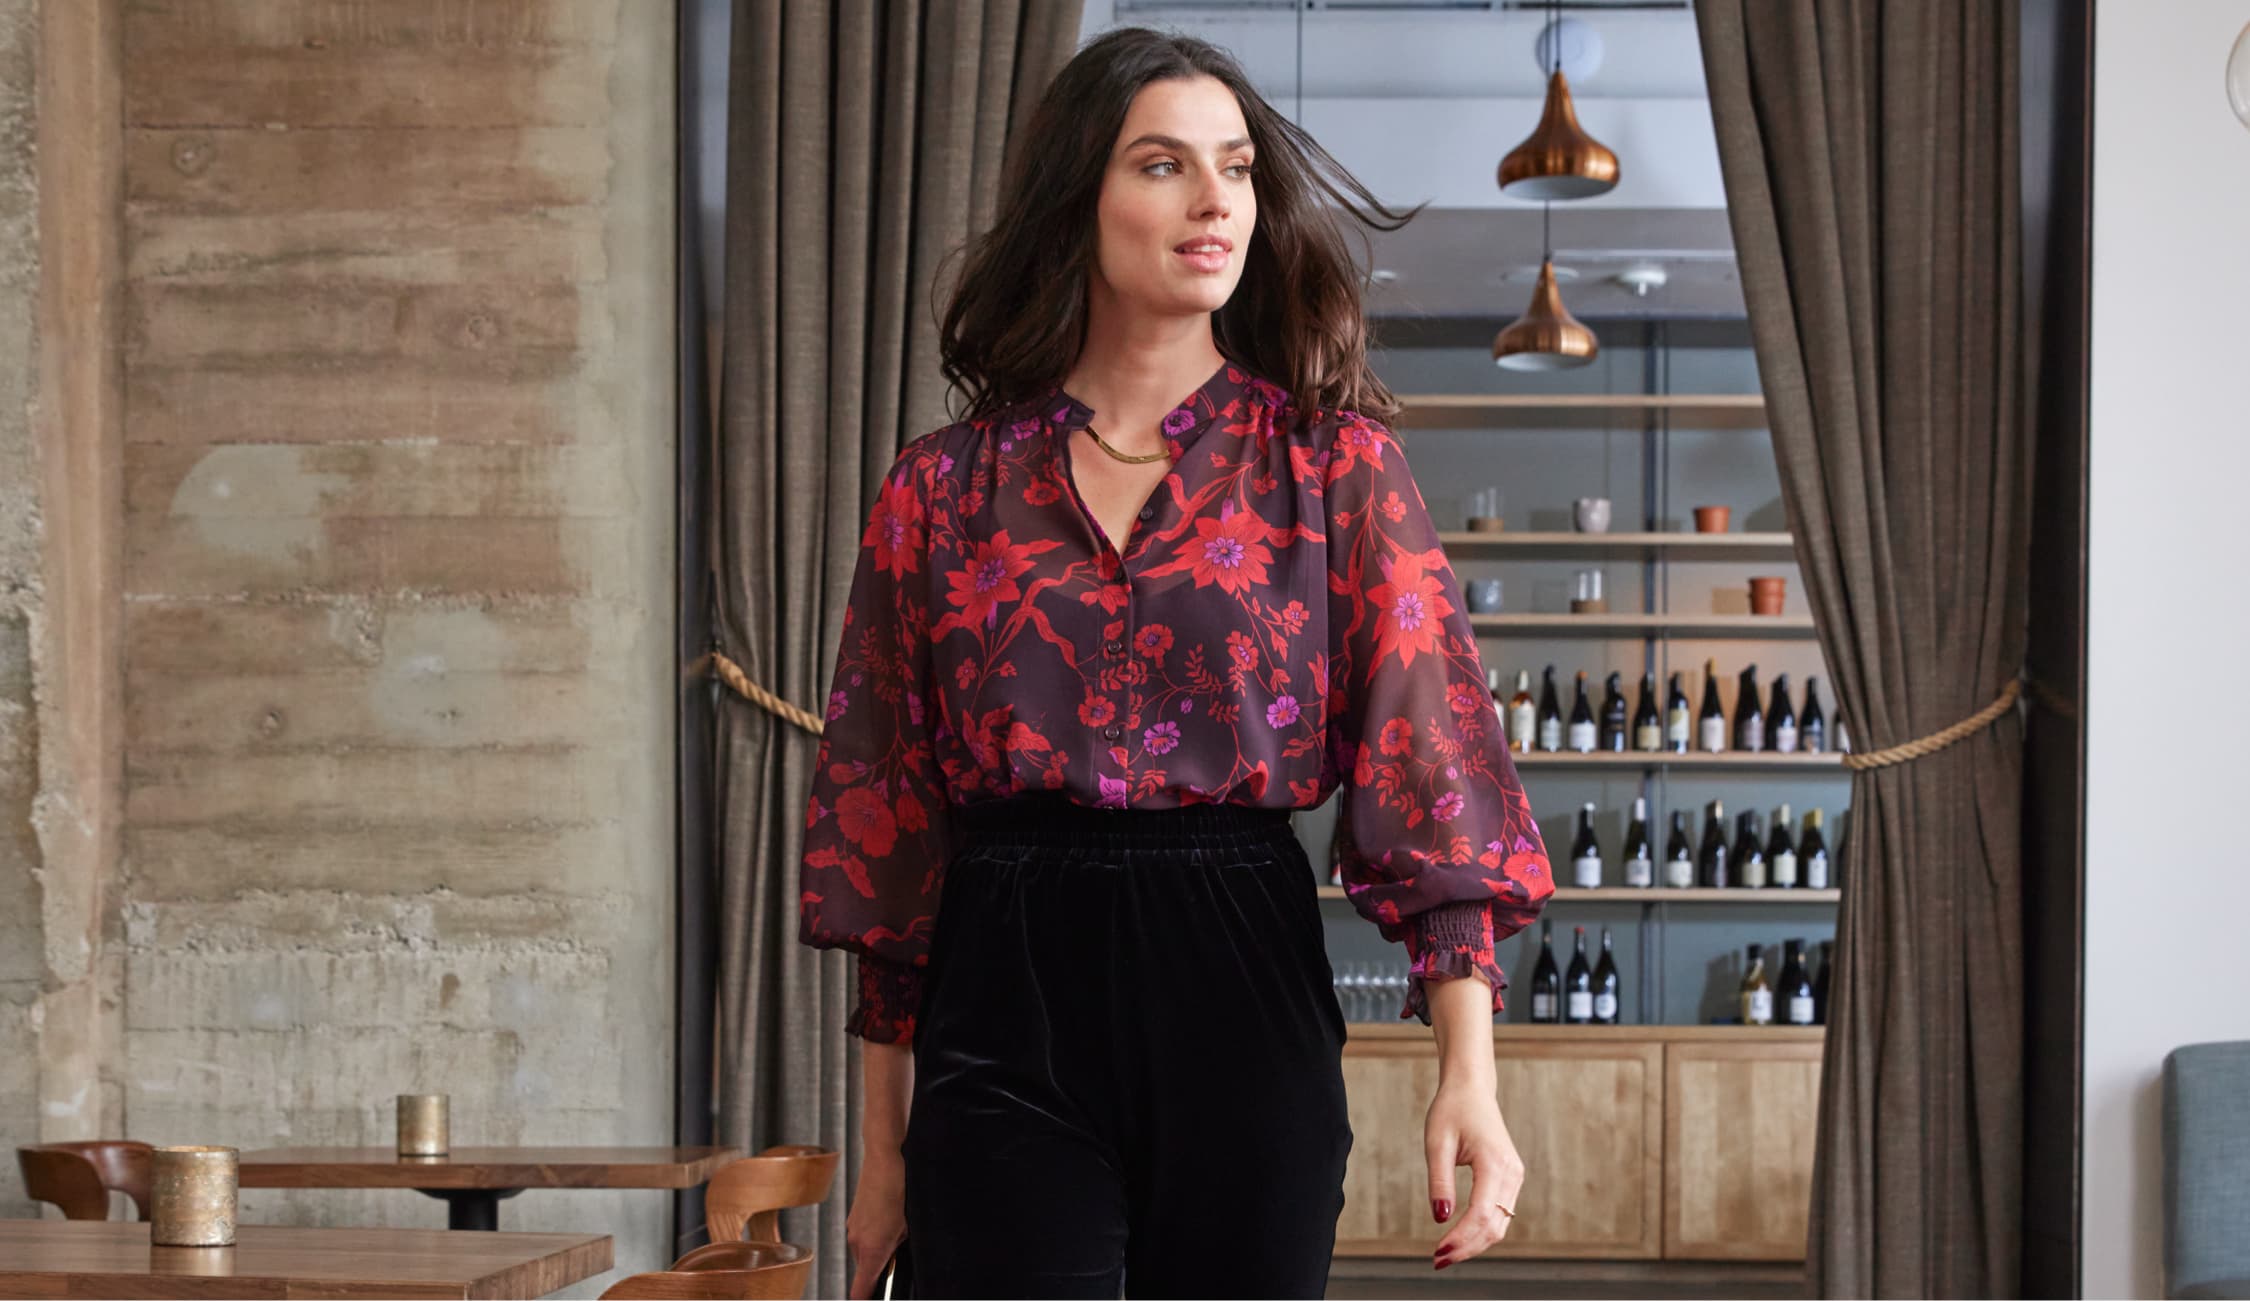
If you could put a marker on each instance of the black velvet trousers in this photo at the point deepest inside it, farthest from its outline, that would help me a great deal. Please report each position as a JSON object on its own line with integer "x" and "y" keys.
{"x": 1128, "y": 1061}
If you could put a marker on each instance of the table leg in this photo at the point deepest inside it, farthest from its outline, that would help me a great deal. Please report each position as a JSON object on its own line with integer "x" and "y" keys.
{"x": 471, "y": 1208}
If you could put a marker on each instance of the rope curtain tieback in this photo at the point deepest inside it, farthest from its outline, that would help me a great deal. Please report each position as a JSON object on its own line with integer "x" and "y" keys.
{"x": 731, "y": 673}
{"x": 1937, "y": 741}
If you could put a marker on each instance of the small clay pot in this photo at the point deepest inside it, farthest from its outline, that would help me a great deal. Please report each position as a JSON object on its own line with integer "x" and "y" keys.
{"x": 1712, "y": 519}
{"x": 1767, "y": 595}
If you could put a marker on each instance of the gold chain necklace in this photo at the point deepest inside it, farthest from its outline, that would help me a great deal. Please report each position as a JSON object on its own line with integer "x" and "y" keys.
{"x": 1157, "y": 455}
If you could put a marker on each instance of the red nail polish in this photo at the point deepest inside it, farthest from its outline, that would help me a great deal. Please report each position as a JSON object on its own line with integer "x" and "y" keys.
{"x": 1443, "y": 1210}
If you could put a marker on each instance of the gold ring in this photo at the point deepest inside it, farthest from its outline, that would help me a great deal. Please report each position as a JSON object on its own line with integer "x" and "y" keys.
{"x": 1505, "y": 1211}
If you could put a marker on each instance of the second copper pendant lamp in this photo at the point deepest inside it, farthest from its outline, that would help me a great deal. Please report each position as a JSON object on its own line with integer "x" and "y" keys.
{"x": 1557, "y": 161}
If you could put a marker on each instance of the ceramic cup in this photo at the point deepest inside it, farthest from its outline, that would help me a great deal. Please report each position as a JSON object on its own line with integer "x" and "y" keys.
{"x": 1711, "y": 519}
{"x": 1767, "y": 595}
{"x": 1484, "y": 596}
{"x": 1592, "y": 514}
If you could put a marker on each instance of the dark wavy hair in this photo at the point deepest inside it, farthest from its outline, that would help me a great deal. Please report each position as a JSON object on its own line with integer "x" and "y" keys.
{"x": 1016, "y": 319}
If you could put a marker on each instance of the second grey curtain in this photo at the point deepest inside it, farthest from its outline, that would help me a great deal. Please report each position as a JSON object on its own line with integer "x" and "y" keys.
{"x": 864, "y": 143}
{"x": 1870, "y": 155}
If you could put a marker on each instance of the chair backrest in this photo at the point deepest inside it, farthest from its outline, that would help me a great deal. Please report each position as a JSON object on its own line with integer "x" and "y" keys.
{"x": 725, "y": 1271}
{"x": 2206, "y": 1165}
{"x": 745, "y": 1199}
{"x": 79, "y": 1177}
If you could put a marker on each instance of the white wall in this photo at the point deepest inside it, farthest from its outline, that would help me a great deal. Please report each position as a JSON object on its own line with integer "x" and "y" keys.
{"x": 2167, "y": 889}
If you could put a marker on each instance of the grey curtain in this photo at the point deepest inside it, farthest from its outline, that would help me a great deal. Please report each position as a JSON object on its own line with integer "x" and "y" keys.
{"x": 1870, "y": 155}
{"x": 864, "y": 143}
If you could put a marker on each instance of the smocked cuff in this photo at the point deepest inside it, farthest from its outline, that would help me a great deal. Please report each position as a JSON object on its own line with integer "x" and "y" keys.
{"x": 1446, "y": 943}
{"x": 889, "y": 996}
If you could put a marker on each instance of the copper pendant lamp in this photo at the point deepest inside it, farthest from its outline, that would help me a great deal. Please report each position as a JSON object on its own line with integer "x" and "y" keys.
{"x": 1558, "y": 160}
{"x": 1546, "y": 336}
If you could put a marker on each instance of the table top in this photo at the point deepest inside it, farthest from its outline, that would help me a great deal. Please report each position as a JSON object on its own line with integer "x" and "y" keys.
{"x": 113, "y": 1258}
{"x": 485, "y": 1167}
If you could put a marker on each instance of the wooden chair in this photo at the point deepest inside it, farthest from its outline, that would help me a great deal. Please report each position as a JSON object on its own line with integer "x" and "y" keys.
{"x": 79, "y": 1177}
{"x": 724, "y": 1271}
{"x": 745, "y": 1199}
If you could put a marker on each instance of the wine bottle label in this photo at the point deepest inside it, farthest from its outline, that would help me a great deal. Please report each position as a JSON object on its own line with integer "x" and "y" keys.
{"x": 1754, "y": 872}
{"x": 1605, "y": 1007}
{"x": 1816, "y": 872}
{"x": 1800, "y": 1009}
{"x": 1648, "y": 736}
{"x": 1753, "y": 734}
{"x": 1679, "y": 873}
{"x": 1757, "y": 1007}
{"x": 1785, "y": 738}
{"x": 1586, "y": 873}
{"x": 1582, "y": 737}
{"x": 1550, "y": 734}
{"x": 1676, "y": 728}
{"x": 1581, "y": 1005}
{"x": 1785, "y": 868}
{"x": 1523, "y": 725}
{"x": 1640, "y": 873}
{"x": 1714, "y": 734}
{"x": 1542, "y": 1007}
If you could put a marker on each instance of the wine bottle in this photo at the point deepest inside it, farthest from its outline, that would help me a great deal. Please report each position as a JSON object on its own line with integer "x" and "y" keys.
{"x": 1781, "y": 720}
{"x": 1499, "y": 702}
{"x": 1677, "y": 733}
{"x": 1586, "y": 853}
{"x": 1550, "y": 715}
{"x": 1605, "y": 984}
{"x": 1781, "y": 852}
{"x": 1523, "y": 715}
{"x": 1578, "y": 986}
{"x": 1796, "y": 987}
{"x": 1749, "y": 854}
{"x": 1640, "y": 863}
{"x": 1546, "y": 980}
{"x": 1581, "y": 719}
{"x": 1820, "y": 982}
{"x": 1711, "y": 859}
{"x": 1711, "y": 723}
{"x": 1812, "y": 732}
{"x": 1648, "y": 725}
{"x": 1812, "y": 853}
{"x": 1679, "y": 859}
{"x": 1614, "y": 718}
{"x": 1749, "y": 717}
{"x": 1757, "y": 994}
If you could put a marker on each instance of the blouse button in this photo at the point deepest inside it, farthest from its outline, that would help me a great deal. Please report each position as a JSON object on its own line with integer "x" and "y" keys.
{"x": 1148, "y": 512}
{"x": 1115, "y": 648}
{"x": 1112, "y": 732}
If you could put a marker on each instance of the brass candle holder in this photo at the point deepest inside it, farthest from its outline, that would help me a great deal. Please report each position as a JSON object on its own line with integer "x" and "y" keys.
{"x": 193, "y": 1195}
{"x": 422, "y": 1125}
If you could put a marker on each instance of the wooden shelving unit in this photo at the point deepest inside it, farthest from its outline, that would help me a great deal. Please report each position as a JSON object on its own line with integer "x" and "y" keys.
{"x": 1758, "y": 626}
{"x": 1666, "y": 894}
{"x": 1686, "y": 546}
{"x": 1634, "y": 761}
{"x": 1510, "y": 1031}
{"x": 1624, "y": 412}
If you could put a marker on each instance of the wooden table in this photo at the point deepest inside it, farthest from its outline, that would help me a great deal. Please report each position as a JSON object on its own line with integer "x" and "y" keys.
{"x": 473, "y": 1180}
{"x": 113, "y": 1258}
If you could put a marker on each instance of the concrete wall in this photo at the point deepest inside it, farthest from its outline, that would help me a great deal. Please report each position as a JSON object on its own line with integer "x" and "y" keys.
{"x": 2164, "y": 897}
{"x": 394, "y": 522}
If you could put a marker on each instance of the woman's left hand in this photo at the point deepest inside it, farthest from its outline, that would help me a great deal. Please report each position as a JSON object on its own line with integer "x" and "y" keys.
{"x": 1464, "y": 1128}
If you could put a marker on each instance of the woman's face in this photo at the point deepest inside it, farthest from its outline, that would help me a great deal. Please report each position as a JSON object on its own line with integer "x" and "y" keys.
{"x": 1177, "y": 206}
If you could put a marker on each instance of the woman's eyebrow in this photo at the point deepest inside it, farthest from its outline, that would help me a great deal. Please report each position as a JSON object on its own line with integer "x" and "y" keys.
{"x": 1178, "y": 145}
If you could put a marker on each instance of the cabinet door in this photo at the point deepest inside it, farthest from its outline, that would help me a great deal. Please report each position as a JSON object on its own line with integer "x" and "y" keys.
{"x": 1738, "y": 1149}
{"x": 1587, "y": 1118}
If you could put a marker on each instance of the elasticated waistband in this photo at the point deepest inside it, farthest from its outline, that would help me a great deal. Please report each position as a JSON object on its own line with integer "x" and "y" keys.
{"x": 1053, "y": 821}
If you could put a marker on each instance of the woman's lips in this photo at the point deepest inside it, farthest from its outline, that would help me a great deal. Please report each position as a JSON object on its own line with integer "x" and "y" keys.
{"x": 1205, "y": 260}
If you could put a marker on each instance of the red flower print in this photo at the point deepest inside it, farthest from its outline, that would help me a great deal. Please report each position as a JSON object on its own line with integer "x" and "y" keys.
{"x": 1393, "y": 507}
{"x": 1398, "y": 737}
{"x": 1094, "y": 711}
{"x": 1412, "y": 604}
{"x": 1293, "y": 617}
{"x": 1041, "y": 492}
{"x": 1244, "y": 651}
{"x": 894, "y": 529}
{"x": 1465, "y": 700}
{"x": 989, "y": 579}
{"x": 866, "y": 820}
{"x": 1230, "y": 551}
{"x": 1153, "y": 640}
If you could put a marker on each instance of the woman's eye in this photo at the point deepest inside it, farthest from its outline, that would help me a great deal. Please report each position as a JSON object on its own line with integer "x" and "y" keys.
{"x": 1243, "y": 168}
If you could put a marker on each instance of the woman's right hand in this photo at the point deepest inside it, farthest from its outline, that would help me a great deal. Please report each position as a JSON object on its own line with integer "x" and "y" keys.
{"x": 876, "y": 1223}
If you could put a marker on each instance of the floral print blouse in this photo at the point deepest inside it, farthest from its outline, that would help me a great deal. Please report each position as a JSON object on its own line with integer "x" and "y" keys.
{"x": 1282, "y": 622}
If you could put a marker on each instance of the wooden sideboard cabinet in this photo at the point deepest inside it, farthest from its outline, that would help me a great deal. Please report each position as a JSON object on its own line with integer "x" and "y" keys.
{"x": 1639, "y": 1142}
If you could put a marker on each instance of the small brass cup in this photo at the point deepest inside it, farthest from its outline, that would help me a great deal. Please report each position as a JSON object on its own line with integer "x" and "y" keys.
{"x": 194, "y": 1192}
{"x": 422, "y": 1125}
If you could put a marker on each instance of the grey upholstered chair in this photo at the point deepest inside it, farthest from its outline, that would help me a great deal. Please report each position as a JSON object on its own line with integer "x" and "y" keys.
{"x": 2207, "y": 1170}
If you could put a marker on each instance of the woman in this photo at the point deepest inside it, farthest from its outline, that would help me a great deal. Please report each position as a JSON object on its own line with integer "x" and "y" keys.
{"x": 1100, "y": 640}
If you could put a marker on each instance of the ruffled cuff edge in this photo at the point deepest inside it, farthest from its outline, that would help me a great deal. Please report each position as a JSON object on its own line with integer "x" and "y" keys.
{"x": 1449, "y": 942}
{"x": 890, "y": 995}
